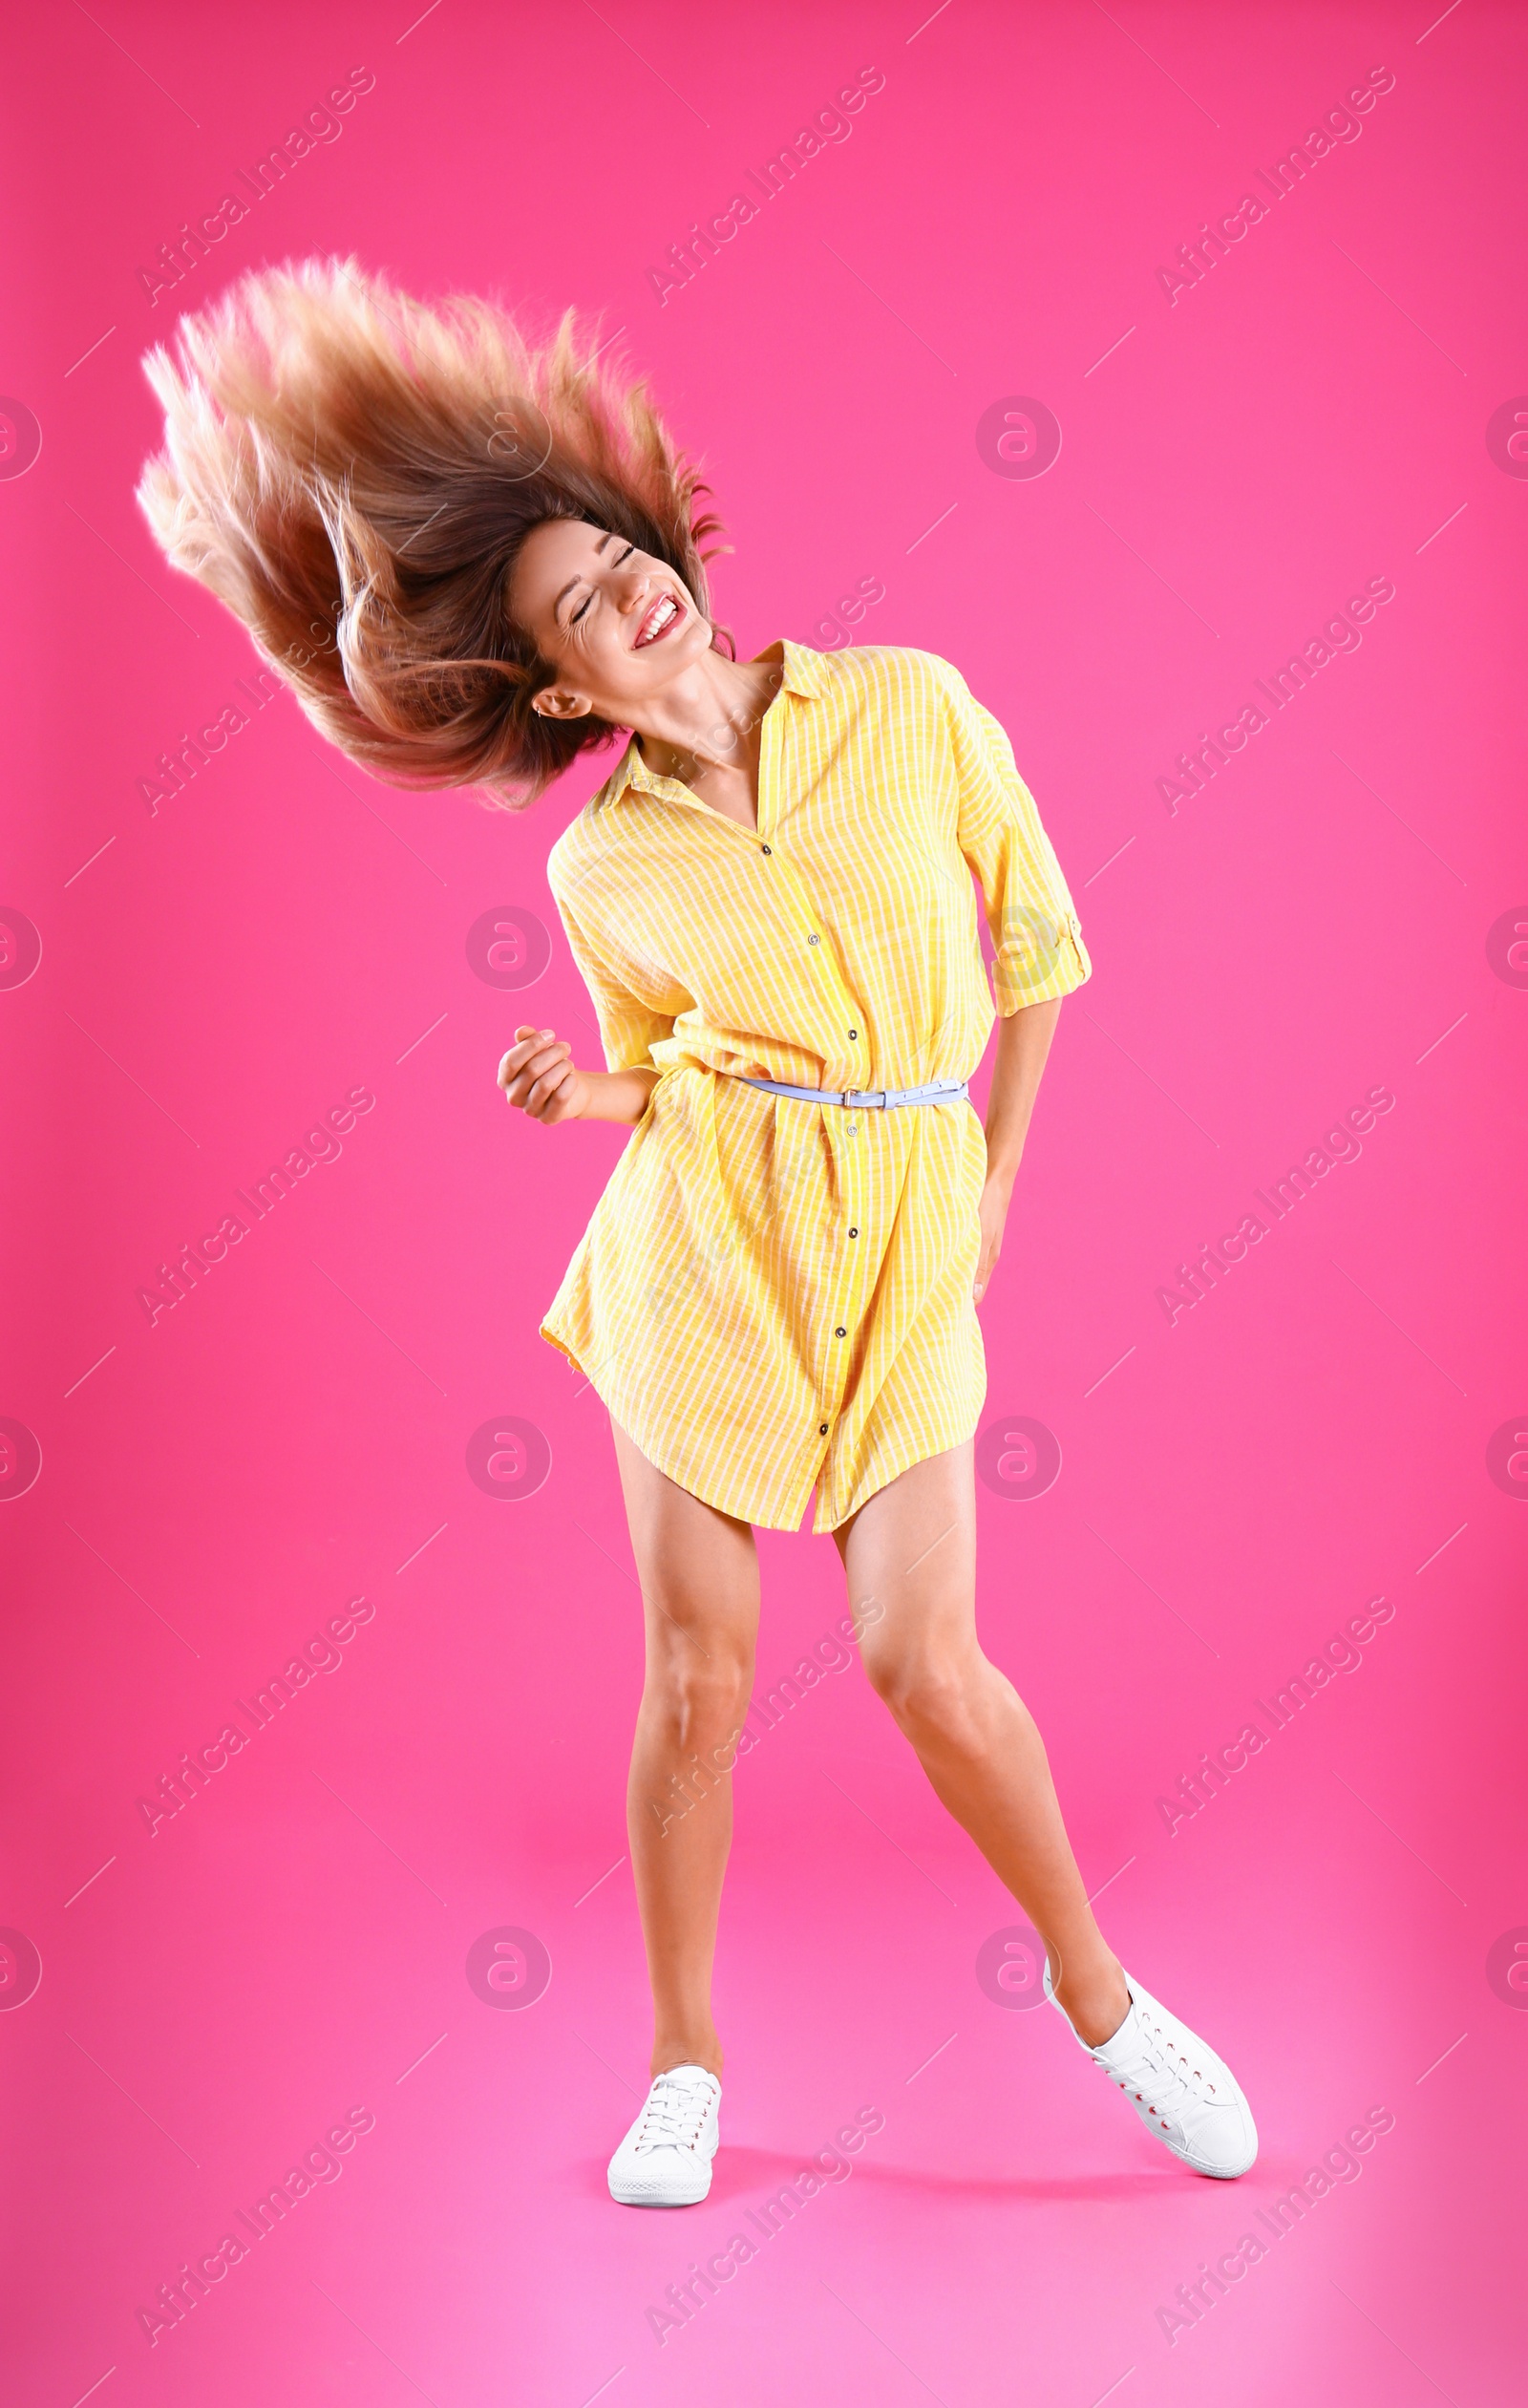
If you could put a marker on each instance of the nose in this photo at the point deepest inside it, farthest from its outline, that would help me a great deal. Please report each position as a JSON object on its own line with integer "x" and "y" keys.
{"x": 638, "y": 584}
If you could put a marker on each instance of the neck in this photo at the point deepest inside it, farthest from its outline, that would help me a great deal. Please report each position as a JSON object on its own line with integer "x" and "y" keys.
{"x": 709, "y": 718}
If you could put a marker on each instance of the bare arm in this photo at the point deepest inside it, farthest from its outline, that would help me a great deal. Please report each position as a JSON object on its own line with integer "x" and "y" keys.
{"x": 538, "y": 1076}
{"x": 1023, "y": 1043}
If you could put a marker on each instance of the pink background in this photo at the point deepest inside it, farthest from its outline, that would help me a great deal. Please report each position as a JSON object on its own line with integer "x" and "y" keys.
{"x": 1318, "y": 1431}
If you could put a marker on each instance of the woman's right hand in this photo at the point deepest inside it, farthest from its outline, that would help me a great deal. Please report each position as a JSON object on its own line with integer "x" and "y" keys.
{"x": 538, "y": 1076}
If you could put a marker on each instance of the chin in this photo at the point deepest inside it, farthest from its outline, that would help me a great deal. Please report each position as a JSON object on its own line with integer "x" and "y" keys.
{"x": 677, "y": 651}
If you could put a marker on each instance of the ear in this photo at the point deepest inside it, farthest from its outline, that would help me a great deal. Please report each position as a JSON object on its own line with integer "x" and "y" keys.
{"x": 557, "y": 702}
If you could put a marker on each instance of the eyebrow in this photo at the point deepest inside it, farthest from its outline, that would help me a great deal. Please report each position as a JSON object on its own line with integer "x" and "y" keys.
{"x": 573, "y": 581}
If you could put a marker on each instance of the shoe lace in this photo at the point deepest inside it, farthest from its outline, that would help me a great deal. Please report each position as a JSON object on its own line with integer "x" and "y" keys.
{"x": 673, "y": 2115}
{"x": 1167, "y": 2078}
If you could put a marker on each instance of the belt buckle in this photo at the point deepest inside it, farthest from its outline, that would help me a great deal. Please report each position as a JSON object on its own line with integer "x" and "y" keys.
{"x": 873, "y": 1099}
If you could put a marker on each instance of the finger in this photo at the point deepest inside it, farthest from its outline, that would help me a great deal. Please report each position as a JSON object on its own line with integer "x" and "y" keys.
{"x": 547, "y": 1057}
{"x": 548, "y": 1086}
{"x": 526, "y": 1041}
{"x": 519, "y": 1068}
{"x": 527, "y": 1036}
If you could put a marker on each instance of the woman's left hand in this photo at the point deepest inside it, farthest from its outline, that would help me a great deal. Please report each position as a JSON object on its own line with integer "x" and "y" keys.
{"x": 993, "y": 1211}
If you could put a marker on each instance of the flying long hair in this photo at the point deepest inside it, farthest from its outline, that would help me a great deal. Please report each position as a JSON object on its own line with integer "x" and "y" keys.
{"x": 353, "y": 473}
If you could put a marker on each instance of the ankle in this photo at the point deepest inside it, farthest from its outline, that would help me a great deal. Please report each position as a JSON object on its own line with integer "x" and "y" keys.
{"x": 1096, "y": 2002}
{"x": 705, "y": 2053}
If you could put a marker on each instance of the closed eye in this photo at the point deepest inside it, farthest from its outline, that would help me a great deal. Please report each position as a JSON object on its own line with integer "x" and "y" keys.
{"x": 589, "y": 597}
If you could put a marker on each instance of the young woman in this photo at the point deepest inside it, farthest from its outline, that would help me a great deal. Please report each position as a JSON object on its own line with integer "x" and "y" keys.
{"x": 473, "y": 559}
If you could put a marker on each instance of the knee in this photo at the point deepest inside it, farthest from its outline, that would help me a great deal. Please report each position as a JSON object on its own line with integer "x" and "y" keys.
{"x": 928, "y": 1695}
{"x": 700, "y": 1697}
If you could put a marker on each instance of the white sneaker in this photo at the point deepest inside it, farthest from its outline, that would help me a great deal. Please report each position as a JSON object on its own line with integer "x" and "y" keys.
{"x": 665, "y": 2160}
{"x": 1181, "y": 2089}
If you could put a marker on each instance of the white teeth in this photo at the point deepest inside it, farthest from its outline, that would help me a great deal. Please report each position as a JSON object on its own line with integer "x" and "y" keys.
{"x": 667, "y": 610}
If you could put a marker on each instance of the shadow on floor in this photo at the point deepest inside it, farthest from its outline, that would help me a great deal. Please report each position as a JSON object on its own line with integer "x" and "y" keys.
{"x": 743, "y": 2173}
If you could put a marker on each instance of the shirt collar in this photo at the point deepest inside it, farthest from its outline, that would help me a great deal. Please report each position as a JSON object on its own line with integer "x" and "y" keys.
{"x": 804, "y": 669}
{"x": 803, "y": 673}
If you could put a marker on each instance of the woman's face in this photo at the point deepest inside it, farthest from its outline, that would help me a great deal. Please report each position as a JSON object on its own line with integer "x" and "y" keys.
{"x": 615, "y": 624}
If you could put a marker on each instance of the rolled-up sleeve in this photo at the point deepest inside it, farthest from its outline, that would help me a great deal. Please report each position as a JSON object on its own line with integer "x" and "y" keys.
{"x": 1036, "y": 933}
{"x": 631, "y": 1026}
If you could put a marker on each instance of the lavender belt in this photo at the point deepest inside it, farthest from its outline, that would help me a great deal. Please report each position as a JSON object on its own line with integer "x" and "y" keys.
{"x": 876, "y": 1098}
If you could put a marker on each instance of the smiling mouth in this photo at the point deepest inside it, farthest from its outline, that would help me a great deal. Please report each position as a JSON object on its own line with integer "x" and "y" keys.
{"x": 661, "y": 619}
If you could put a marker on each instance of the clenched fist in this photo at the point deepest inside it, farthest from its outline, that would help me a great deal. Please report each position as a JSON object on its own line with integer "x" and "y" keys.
{"x": 538, "y": 1075}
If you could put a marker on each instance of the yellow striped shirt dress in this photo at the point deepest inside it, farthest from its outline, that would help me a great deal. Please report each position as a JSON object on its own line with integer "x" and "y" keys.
{"x": 775, "y": 1293}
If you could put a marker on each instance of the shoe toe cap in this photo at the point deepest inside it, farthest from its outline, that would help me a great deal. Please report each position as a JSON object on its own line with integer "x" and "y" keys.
{"x": 659, "y": 2177}
{"x": 1224, "y": 2142}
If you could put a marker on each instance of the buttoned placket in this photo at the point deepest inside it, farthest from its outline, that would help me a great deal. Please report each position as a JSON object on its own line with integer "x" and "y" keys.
{"x": 842, "y": 1122}
{"x": 854, "y": 1251}
{"x": 842, "y": 1126}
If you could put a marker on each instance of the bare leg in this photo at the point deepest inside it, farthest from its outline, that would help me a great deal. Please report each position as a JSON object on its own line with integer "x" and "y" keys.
{"x": 699, "y": 1575}
{"x": 912, "y": 1549}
